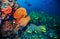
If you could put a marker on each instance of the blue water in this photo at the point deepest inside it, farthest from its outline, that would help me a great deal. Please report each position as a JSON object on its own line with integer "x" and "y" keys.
{"x": 49, "y": 6}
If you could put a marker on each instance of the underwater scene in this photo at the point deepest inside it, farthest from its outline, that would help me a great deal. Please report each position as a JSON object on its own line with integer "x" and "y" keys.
{"x": 29, "y": 19}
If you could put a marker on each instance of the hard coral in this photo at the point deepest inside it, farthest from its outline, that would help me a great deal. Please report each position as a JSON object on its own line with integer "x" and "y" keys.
{"x": 34, "y": 17}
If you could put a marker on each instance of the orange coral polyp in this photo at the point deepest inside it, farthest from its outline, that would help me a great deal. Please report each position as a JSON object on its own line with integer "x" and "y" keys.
{"x": 20, "y": 13}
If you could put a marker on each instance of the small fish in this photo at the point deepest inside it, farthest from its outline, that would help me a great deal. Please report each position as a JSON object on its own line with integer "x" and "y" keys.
{"x": 28, "y": 4}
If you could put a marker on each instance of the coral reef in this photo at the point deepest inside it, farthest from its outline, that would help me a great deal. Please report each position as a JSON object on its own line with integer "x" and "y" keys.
{"x": 38, "y": 32}
{"x": 44, "y": 28}
{"x": 15, "y": 23}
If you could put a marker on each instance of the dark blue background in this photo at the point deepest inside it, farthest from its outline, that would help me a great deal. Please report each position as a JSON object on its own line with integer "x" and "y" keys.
{"x": 52, "y": 7}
